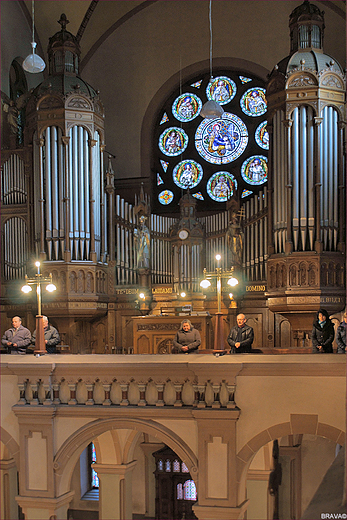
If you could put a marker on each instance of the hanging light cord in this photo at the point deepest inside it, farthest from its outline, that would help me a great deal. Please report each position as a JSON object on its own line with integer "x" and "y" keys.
{"x": 210, "y": 19}
{"x": 32, "y": 18}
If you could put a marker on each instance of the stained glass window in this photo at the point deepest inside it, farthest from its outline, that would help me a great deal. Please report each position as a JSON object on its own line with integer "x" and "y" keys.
{"x": 95, "y": 478}
{"x": 189, "y": 490}
{"x": 213, "y": 158}
{"x": 254, "y": 170}
{"x": 245, "y": 193}
{"x": 176, "y": 465}
{"x": 179, "y": 492}
{"x": 262, "y": 136}
{"x": 184, "y": 468}
{"x": 160, "y": 465}
{"x": 167, "y": 465}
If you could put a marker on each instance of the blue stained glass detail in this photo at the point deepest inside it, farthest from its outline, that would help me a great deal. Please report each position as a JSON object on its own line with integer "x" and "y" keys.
{"x": 198, "y": 195}
{"x": 159, "y": 180}
{"x": 221, "y": 89}
{"x": 221, "y": 141}
{"x": 160, "y": 465}
{"x": 175, "y": 465}
{"x": 95, "y": 478}
{"x": 165, "y": 197}
{"x": 189, "y": 490}
{"x": 179, "y": 492}
{"x": 245, "y": 193}
{"x": 173, "y": 141}
{"x": 221, "y": 186}
{"x": 167, "y": 465}
{"x": 197, "y": 84}
{"x": 253, "y": 102}
{"x": 262, "y": 136}
{"x": 254, "y": 170}
{"x": 184, "y": 468}
{"x": 187, "y": 174}
{"x": 186, "y": 107}
{"x": 244, "y": 79}
{"x": 164, "y": 165}
{"x": 164, "y": 119}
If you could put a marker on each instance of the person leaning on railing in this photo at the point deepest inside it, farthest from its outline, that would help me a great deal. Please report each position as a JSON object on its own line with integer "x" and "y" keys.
{"x": 341, "y": 335}
{"x": 51, "y": 334}
{"x": 187, "y": 339}
{"x": 17, "y": 338}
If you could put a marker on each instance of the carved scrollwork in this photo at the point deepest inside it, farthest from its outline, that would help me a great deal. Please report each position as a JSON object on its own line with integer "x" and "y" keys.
{"x": 79, "y": 102}
{"x": 304, "y": 80}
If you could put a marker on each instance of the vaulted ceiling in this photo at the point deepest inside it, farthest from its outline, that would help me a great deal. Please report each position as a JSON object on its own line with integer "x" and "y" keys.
{"x": 93, "y": 20}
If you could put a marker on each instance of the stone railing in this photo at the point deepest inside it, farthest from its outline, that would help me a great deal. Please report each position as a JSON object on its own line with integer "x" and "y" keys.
{"x": 112, "y": 381}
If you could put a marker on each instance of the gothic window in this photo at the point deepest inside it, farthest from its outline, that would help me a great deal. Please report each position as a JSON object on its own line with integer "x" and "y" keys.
{"x": 213, "y": 158}
{"x": 189, "y": 490}
{"x": 94, "y": 476}
{"x": 167, "y": 465}
{"x": 184, "y": 468}
{"x": 176, "y": 466}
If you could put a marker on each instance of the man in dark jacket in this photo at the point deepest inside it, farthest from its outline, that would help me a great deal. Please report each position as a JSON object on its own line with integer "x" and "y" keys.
{"x": 187, "y": 339}
{"x": 17, "y": 338}
{"x": 52, "y": 337}
{"x": 322, "y": 333}
{"x": 341, "y": 336}
{"x": 241, "y": 336}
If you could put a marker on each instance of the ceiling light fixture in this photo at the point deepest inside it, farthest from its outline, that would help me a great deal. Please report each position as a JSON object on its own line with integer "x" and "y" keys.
{"x": 33, "y": 63}
{"x": 211, "y": 109}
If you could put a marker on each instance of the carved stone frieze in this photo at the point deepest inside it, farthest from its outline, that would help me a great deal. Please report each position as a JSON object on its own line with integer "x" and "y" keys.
{"x": 304, "y": 80}
{"x": 79, "y": 103}
{"x": 332, "y": 81}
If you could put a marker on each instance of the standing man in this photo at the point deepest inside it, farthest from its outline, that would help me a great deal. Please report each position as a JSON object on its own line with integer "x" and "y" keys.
{"x": 17, "y": 338}
{"x": 241, "y": 336}
{"x": 52, "y": 337}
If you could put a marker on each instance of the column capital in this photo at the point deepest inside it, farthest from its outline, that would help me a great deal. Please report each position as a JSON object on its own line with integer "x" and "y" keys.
{"x": 65, "y": 139}
{"x": 287, "y": 122}
{"x": 318, "y": 120}
{"x": 31, "y": 505}
{"x": 92, "y": 142}
{"x": 220, "y": 513}
{"x": 114, "y": 469}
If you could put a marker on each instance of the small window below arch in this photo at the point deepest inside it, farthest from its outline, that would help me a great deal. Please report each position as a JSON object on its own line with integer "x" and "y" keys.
{"x": 189, "y": 490}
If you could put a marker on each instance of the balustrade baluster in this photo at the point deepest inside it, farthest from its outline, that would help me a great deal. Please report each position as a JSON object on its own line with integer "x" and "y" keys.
{"x": 107, "y": 390}
{"x": 216, "y": 402}
{"x": 90, "y": 390}
{"x": 178, "y": 389}
{"x": 56, "y": 399}
{"x": 160, "y": 389}
{"x": 201, "y": 392}
{"x": 142, "y": 390}
{"x": 21, "y": 388}
{"x": 34, "y": 388}
{"x": 124, "y": 388}
{"x": 48, "y": 393}
{"x": 231, "y": 393}
{"x": 72, "y": 388}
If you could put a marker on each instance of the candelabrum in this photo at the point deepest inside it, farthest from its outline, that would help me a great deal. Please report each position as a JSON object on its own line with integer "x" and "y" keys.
{"x": 38, "y": 281}
{"x": 219, "y": 275}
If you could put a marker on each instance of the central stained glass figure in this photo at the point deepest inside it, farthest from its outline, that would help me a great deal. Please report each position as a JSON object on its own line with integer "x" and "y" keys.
{"x": 187, "y": 174}
{"x": 221, "y": 89}
{"x": 222, "y": 140}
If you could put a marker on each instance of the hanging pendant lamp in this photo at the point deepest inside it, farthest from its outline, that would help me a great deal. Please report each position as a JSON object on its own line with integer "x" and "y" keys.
{"x": 33, "y": 63}
{"x": 211, "y": 109}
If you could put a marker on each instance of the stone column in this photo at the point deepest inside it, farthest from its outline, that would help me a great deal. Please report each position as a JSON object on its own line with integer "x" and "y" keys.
{"x": 149, "y": 448}
{"x": 115, "y": 490}
{"x": 8, "y": 486}
{"x": 41, "y": 508}
{"x": 217, "y": 485}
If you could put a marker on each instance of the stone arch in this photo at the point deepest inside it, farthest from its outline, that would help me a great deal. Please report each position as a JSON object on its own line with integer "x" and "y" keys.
{"x": 67, "y": 456}
{"x": 298, "y": 424}
{"x": 10, "y": 444}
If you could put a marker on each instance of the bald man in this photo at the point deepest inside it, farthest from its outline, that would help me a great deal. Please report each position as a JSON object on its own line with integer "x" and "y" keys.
{"x": 241, "y": 336}
{"x": 17, "y": 338}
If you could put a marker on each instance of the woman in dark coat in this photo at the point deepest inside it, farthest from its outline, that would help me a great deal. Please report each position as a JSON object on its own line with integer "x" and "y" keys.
{"x": 341, "y": 336}
{"x": 322, "y": 333}
{"x": 187, "y": 339}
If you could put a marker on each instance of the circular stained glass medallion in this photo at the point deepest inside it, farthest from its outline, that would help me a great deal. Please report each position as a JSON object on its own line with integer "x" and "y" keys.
{"x": 221, "y": 186}
{"x": 165, "y": 197}
{"x": 221, "y": 141}
{"x": 173, "y": 141}
{"x": 186, "y": 107}
{"x": 187, "y": 174}
{"x": 254, "y": 170}
{"x": 221, "y": 89}
{"x": 262, "y": 136}
{"x": 253, "y": 102}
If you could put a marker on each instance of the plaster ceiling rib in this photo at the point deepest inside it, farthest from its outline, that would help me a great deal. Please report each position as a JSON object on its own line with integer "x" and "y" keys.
{"x": 334, "y": 7}
{"x": 118, "y": 23}
{"x": 86, "y": 19}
